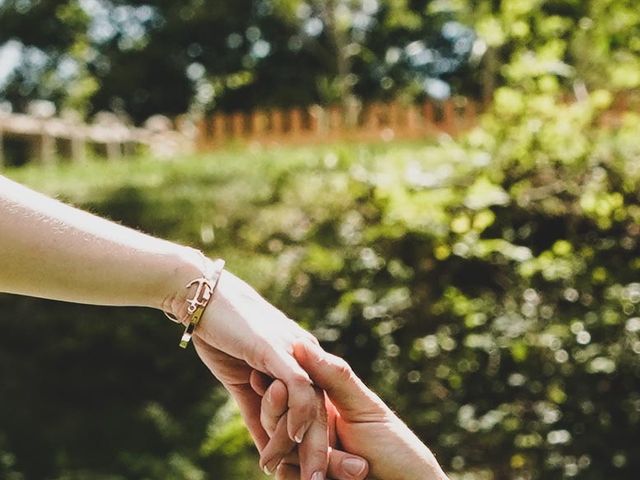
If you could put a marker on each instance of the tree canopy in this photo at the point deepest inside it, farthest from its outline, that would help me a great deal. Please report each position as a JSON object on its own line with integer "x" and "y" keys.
{"x": 165, "y": 57}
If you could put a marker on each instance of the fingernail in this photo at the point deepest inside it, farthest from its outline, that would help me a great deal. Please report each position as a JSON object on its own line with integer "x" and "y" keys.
{"x": 271, "y": 466}
{"x": 354, "y": 466}
{"x": 299, "y": 436}
{"x": 317, "y": 476}
{"x": 269, "y": 395}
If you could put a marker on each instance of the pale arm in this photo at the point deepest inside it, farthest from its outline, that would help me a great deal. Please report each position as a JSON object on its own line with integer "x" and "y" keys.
{"x": 52, "y": 250}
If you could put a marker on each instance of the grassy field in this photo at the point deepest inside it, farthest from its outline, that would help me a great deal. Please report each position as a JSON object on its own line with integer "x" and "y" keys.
{"x": 207, "y": 189}
{"x": 244, "y": 164}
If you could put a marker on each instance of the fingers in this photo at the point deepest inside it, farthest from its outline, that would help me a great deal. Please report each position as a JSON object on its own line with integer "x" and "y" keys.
{"x": 259, "y": 382}
{"x": 342, "y": 466}
{"x": 313, "y": 449}
{"x": 301, "y": 393}
{"x": 249, "y": 402}
{"x": 287, "y": 472}
{"x": 333, "y": 374}
{"x": 279, "y": 446}
{"x": 274, "y": 406}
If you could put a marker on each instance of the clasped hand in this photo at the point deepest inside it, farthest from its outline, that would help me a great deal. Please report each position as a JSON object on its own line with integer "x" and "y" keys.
{"x": 308, "y": 414}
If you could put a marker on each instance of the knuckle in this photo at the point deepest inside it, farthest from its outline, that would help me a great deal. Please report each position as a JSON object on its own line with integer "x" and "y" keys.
{"x": 304, "y": 410}
{"x": 311, "y": 338}
{"x": 292, "y": 458}
{"x": 299, "y": 380}
{"x": 342, "y": 369}
{"x": 278, "y": 452}
{"x": 319, "y": 457}
{"x": 267, "y": 423}
{"x": 321, "y": 417}
{"x": 278, "y": 394}
{"x": 320, "y": 410}
{"x": 275, "y": 451}
{"x": 261, "y": 353}
{"x": 285, "y": 472}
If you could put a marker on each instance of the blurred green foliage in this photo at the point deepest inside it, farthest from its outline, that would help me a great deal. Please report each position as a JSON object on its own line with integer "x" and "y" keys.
{"x": 139, "y": 59}
{"x": 487, "y": 288}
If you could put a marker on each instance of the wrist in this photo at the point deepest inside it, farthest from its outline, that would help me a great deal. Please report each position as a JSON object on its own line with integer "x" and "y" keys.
{"x": 429, "y": 465}
{"x": 433, "y": 469}
{"x": 418, "y": 459}
{"x": 187, "y": 264}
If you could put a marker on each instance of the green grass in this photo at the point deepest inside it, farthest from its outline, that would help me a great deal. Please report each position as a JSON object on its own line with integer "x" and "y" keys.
{"x": 82, "y": 182}
{"x": 185, "y": 198}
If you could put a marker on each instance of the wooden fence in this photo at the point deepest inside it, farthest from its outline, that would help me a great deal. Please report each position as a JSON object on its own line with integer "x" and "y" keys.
{"x": 49, "y": 138}
{"x": 376, "y": 121}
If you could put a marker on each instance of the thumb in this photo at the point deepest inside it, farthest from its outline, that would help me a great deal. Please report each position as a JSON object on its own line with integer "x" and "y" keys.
{"x": 334, "y": 375}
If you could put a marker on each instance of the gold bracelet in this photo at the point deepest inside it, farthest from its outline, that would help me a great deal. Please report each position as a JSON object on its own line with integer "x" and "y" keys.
{"x": 205, "y": 286}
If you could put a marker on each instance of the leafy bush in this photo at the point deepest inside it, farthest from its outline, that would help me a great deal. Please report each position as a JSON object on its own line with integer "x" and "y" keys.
{"x": 487, "y": 288}
{"x": 491, "y": 294}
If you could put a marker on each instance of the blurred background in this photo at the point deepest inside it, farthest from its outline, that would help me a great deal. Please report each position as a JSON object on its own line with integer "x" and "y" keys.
{"x": 446, "y": 192}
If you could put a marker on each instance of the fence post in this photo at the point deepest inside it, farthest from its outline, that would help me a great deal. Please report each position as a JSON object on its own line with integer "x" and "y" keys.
{"x": 395, "y": 120}
{"x": 258, "y": 124}
{"x": 237, "y": 125}
{"x": 114, "y": 150}
{"x": 318, "y": 120}
{"x": 203, "y": 139}
{"x": 47, "y": 147}
{"x": 336, "y": 121}
{"x": 219, "y": 127}
{"x": 413, "y": 120}
{"x": 295, "y": 116}
{"x": 353, "y": 110}
{"x": 470, "y": 114}
{"x": 78, "y": 147}
{"x": 428, "y": 117}
{"x": 277, "y": 122}
{"x": 449, "y": 123}
{"x": 372, "y": 118}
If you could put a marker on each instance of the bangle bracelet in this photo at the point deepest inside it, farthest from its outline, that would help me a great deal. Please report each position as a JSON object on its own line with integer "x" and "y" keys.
{"x": 205, "y": 286}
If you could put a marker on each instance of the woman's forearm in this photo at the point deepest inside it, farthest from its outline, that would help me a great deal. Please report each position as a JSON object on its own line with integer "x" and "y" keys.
{"x": 51, "y": 250}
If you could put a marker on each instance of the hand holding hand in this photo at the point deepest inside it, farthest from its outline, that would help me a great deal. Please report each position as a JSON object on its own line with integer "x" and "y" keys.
{"x": 239, "y": 332}
{"x": 363, "y": 424}
{"x": 281, "y": 452}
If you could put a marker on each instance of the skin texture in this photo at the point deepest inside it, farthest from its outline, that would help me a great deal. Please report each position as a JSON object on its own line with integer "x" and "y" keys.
{"x": 363, "y": 424}
{"x": 62, "y": 253}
